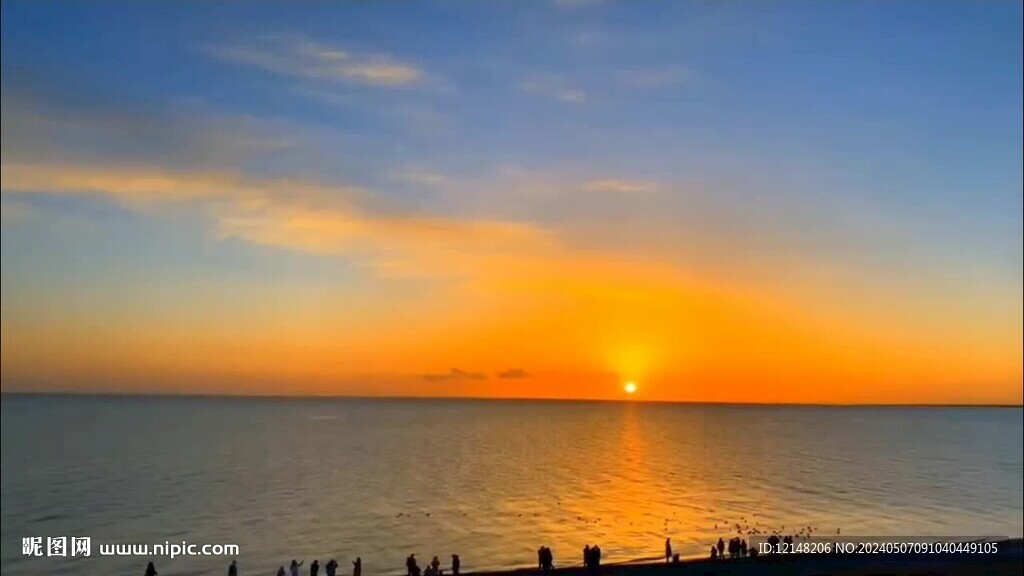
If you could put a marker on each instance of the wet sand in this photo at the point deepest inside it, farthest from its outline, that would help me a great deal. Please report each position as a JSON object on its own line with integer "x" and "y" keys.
{"x": 1008, "y": 561}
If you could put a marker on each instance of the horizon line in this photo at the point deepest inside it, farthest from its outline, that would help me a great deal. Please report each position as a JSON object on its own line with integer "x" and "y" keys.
{"x": 386, "y": 397}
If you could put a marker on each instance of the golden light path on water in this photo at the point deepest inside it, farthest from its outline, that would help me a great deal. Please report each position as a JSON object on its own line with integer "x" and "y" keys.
{"x": 637, "y": 497}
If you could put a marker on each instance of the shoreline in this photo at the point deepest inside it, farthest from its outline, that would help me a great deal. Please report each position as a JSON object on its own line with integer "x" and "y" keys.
{"x": 1009, "y": 560}
{"x": 55, "y": 393}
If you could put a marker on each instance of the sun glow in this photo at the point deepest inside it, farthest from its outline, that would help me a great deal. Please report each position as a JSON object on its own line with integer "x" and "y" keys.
{"x": 630, "y": 387}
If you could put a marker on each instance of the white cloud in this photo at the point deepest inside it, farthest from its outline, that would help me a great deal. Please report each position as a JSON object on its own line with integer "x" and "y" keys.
{"x": 309, "y": 59}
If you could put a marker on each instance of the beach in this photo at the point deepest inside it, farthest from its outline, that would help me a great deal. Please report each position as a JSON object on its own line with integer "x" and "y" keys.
{"x": 1008, "y": 560}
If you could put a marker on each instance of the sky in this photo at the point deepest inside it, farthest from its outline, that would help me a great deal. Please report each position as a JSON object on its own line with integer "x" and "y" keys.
{"x": 762, "y": 202}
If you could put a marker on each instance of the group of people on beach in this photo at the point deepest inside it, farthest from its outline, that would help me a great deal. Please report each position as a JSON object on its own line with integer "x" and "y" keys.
{"x": 545, "y": 559}
{"x": 330, "y": 569}
{"x": 737, "y": 549}
{"x": 433, "y": 569}
{"x": 592, "y": 559}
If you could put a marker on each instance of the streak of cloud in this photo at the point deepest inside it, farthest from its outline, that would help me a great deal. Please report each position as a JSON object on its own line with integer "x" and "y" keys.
{"x": 513, "y": 374}
{"x": 307, "y": 58}
{"x": 455, "y": 374}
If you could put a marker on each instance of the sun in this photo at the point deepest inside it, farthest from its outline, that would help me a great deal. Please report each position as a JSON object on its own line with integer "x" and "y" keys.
{"x": 630, "y": 387}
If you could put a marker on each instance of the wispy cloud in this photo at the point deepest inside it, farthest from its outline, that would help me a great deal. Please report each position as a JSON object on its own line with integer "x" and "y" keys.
{"x": 455, "y": 374}
{"x": 305, "y": 58}
{"x": 553, "y": 86}
{"x": 132, "y": 185}
{"x": 619, "y": 186}
{"x": 47, "y": 124}
{"x": 513, "y": 374}
{"x": 294, "y": 214}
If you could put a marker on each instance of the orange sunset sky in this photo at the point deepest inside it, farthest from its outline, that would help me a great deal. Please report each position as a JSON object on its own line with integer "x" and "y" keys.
{"x": 529, "y": 200}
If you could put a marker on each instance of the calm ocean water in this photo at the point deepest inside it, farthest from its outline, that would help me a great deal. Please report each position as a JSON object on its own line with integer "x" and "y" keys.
{"x": 489, "y": 480}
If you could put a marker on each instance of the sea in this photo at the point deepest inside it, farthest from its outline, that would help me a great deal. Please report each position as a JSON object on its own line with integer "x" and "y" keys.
{"x": 489, "y": 480}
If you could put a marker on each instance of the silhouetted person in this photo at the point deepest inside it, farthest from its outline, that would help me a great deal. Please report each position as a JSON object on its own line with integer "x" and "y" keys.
{"x": 357, "y": 566}
{"x": 773, "y": 543}
{"x": 331, "y": 568}
{"x": 233, "y": 569}
{"x": 743, "y": 547}
{"x": 294, "y": 567}
{"x": 435, "y": 564}
{"x": 410, "y": 564}
{"x": 586, "y": 556}
{"x": 280, "y": 571}
{"x": 714, "y": 553}
{"x": 734, "y": 547}
{"x": 721, "y": 548}
{"x": 150, "y": 570}
{"x": 314, "y": 568}
{"x": 668, "y": 550}
{"x": 456, "y": 564}
{"x": 753, "y": 552}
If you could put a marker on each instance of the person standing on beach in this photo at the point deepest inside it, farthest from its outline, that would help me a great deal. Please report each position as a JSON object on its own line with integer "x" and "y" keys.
{"x": 314, "y": 568}
{"x": 436, "y": 565}
{"x": 586, "y": 556}
{"x": 456, "y": 564}
{"x": 721, "y": 548}
{"x": 357, "y": 567}
{"x": 668, "y": 550}
{"x": 233, "y": 569}
{"x": 280, "y": 571}
{"x": 294, "y": 567}
{"x": 150, "y": 570}
{"x": 331, "y": 568}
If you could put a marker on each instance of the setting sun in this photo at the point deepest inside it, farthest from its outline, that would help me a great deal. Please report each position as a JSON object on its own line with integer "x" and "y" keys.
{"x": 630, "y": 387}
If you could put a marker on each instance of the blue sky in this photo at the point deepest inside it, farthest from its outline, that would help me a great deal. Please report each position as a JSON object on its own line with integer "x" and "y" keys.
{"x": 855, "y": 150}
